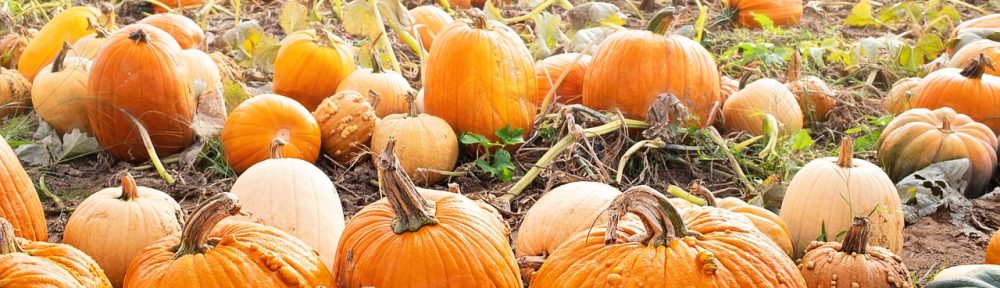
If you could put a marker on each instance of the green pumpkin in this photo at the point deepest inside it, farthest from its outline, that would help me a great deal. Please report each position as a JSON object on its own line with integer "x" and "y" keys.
{"x": 967, "y": 276}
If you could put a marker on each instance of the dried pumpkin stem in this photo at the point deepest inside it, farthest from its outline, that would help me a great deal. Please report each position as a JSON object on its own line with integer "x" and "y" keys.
{"x": 57, "y": 64}
{"x": 946, "y": 125}
{"x": 278, "y": 143}
{"x": 194, "y": 238}
{"x": 412, "y": 211}
{"x": 661, "y": 22}
{"x": 138, "y": 35}
{"x": 846, "y": 158}
{"x": 662, "y": 221}
{"x": 857, "y": 237}
{"x": 479, "y": 20}
{"x": 794, "y": 68}
{"x": 411, "y": 102}
{"x": 8, "y": 242}
{"x": 129, "y": 189}
{"x": 698, "y": 188}
{"x": 977, "y": 67}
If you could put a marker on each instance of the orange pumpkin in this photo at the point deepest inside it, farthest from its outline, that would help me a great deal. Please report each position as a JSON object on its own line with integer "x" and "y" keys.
{"x": 969, "y": 91}
{"x": 88, "y": 46}
{"x": 176, "y": 4}
{"x": 898, "y": 99}
{"x": 632, "y": 67}
{"x": 406, "y": 233}
{"x": 15, "y": 93}
{"x": 309, "y": 67}
{"x": 920, "y": 137}
{"x": 187, "y": 33}
{"x": 385, "y": 90}
{"x": 548, "y": 71}
{"x": 993, "y": 250}
{"x": 745, "y": 110}
{"x": 729, "y": 86}
{"x": 697, "y": 247}
{"x": 781, "y": 12}
{"x": 68, "y": 26}
{"x": 27, "y": 263}
{"x": 139, "y": 74}
{"x": 970, "y": 52}
{"x": 11, "y": 47}
{"x": 427, "y": 22}
{"x": 60, "y": 92}
{"x": 266, "y": 122}
{"x": 853, "y": 261}
{"x": 480, "y": 77}
{"x": 251, "y": 254}
{"x": 816, "y": 99}
{"x": 21, "y": 204}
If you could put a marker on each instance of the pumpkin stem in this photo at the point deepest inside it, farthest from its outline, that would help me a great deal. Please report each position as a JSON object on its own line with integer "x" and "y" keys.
{"x": 376, "y": 64}
{"x": 479, "y": 19}
{"x": 846, "y": 158}
{"x": 57, "y": 64}
{"x": 662, "y": 221}
{"x": 697, "y": 188}
{"x": 661, "y": 22}
{"x": 857, "y": 237}
{"x": 279, "y": 142}
{"x": 743, "y": 80}
{"x": 129, "y": 189}
{"x": 977, "y": 67}
{"x": 946, "y": 125}
{"x": 138, "y": 35}
{"x": 194, "y": 238}
{"x": 794, "y": 68}
{"x": 411, "y": 100}
{"x": 411, "y": 210}
{"x": 8, "y": 242}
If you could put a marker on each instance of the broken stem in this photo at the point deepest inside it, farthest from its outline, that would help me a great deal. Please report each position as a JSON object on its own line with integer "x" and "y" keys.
{"x": 716, "y": 138}
{"x": 652, "y": 144}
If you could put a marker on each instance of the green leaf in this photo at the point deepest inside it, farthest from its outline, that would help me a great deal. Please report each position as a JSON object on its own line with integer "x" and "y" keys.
{"x": 264, "y": 52}
{"x": 547, "y": 35}
{"x": 502, "y": 162}
{"x": 861, "y": 15}
{"x": 293, "y": 17}
{"x": 822, "y": 232}
{"x": 510, "y": 136}
{"x": 360, "y": 19}
{"x": 244, "y": 36}
{"x": 766, "y": 23}
{"x": 486, "y": 167}
{"x": 473, "y": 138}
{"x": 801, "y": 140}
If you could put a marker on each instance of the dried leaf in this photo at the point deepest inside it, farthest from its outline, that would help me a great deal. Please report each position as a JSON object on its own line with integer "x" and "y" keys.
{"x": 34, "y": 154}
{"x": 593, "y": 14}
{"x": 362, "y": 19}
{"x": 76, "y": 144}
{"x": 861, "y": 15}
{"x": 547, "y": 35}
{"x": 264, "y": 52}
{"x": 244, "y": 36}
{"x": 293, "y": 17}
{"x": 233, "y": 93}
{"x": 211, "y": 114}
{"x": 584, "y": 39}
{"x": 395, "y": 14}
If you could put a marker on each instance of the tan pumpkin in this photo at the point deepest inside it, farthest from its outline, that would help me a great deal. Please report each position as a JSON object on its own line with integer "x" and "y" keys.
{"x": 562, "y": 212}
{"x": 414, "y": 133}
{"x": 15, "y": 92}
{"x": 745, "y": 111}
{"x": 972, "y": 51}
{"x": 88, "y": 46}
{"x": 898, "y": 99}
{"x": 921, "y": 137}
{"x": 270, "y": 190}
{"x": 27, "y": 263}
{"x": 114, "y": 225}
{"x": 309, "y": 67}
{"x": 853, "y": 262}
{"x": 828, "y": 192}
{"x": 21, "y": 204}
{"x": 202, "y": 70}
{"x": 816, "y": 99}
{"x": 386, "y": 90}
{"x": 346, "y": 121}
{"x": 548, "y": 71}
{"x": 60, "y": 93}
{"x": 729, "y": 87}
{"x": 187, "y": 33}
{"x": 11, "y": 47}
{"x": 228, "y": 67}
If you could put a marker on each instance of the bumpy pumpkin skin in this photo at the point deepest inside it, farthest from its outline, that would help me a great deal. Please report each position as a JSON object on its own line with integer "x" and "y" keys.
{"x": 134, "y": 216}
{"x": 251, "y": 254}
{"x": 151, "y": 84}
{"x": 898, "y": 99}
{"x": 548, "y": 70}
{"x": 562, "y": 212}
{"x": 26, "y": 263}
{"x": 385, "y": 90}
{"x": 187, "y": 33}
{"x": 967, "y": 53}
{"x": 730, "y": 252}
{"x": 59, "y": 94}
{"x": 346, "y": 121}
{"x": 22, "y": 207}
{"x": 433, "y": 18}
{"x": 318, "y": 219}
{"x": 309, "y": 67}
{"x": 15, "y": 92}
{"x": 68, "y": 26}
{"x": 744, "y": 111}
{"x": 11, "y": 47}
{"x": 254, "y": 126}
{"x": 413, "y": 135}
{"x": 781, "y": 12}
{"x": 834, "y": 262}
{"x": 968, "y": 91}
{"x": 480, "y": 78}
{"x": 919, "y": 137}
{"x": 632, "y": 67}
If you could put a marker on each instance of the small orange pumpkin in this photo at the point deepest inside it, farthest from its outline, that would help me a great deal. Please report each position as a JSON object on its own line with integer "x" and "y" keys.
{"x": 266, "y": 122}
{"x": 21, "y": 204}
{"x": 816, "y": 99}
{"x": 11, "y": 47}
{"x": 27, "y": 263}
{"x": 548, "y": 71}
{"x": 309, "y": 67}
{"x": 15, "y": 92}
{"x": 969, "y": 91}
{"x": 187, "y": 33}
{"x": 781, "y": 12}
{"x": 993, "y": 250}
{"x": 432, "y": 19}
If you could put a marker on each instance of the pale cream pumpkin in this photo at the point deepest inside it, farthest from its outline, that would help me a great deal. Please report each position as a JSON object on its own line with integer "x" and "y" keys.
{"x": 745, "y": 110}
{"x": 202, "y": 70}
{"x": 414, "y": 133}
{"x": 59, "y": 93}
{"x": 562, "y": 212}
{"x": 114, "y": 225}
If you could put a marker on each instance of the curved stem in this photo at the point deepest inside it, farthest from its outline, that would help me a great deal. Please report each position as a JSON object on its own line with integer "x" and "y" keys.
{"x": 699, "y": 189}
{"x": 479, "y": 20}
{"x": 661, "y": 22}
{"x": 652, "y": 144}
{"x": 8, "y": 242}
{"x": 743, "y": 81}
{"x": 194, "y": 238}
{"x": 376, "y": 64}
{"x": 411, "y": 210}
{"x": 857, "y": 237}
{"x": 662, "y": 221}
{"x": 684, "y": 195}
{"x": 977, "y": 67}
{"x": 150, "y": 149}
{"x": 129, "y": 189}
{"x": 278, "y": 143}
{"x": 57, "y": 64}
{"x": 846, "y": 157}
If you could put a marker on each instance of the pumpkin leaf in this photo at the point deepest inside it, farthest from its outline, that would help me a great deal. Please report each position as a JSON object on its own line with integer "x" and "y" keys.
{"x": 233, "y": 93}
{"x": 766, "y": 23}
{"x": 394, "y": 13}
{"x": 362, "y": 19}
{"x": 502, "y": 162}
{"x": 510, "y": 136}
{"x": 547, "y": 35}
{"x": 593, "y": 14}
{"x": 293, "y": 17}
{"x": 861, "y": 15}
{"x": 244, "y": 36}
{"x": 76, "y": 144}
{"x": 264, "y": 52}
{"x": 473, "y": 138}
{"x": 34, "y": 154}
{"x": 588, "y": 39}
{"x": 801, "y": 140}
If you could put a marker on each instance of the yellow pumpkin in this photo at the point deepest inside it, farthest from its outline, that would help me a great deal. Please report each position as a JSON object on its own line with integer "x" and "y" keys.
{"x": 68, "y": 26}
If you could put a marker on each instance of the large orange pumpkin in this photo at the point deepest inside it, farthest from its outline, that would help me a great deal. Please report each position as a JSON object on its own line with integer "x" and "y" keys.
{"x": 970, "y": 52}
{"x": 310, "y": 66}
{"x": 427, "y": 22}
{"x": 21, "y": 204}
{"x": 632, "y": 67}
{"x": 68, "y": 26}
{"x": 385, "y": 90}
{"x": 139, "y": 73}
{"x": 27, "y": 263}
{"x": 969, "y": 91}
{"x": 781, "y": 12}
{"x": 187, "y": 33}
{"x": 211, "y": 252}
{"x": 697, "y": 247}
{"x": 266, "y": 122}
{"x": 548, "y": 71}
{"x": 480, "y": 77}
{"x": 423, "y": 238}
{"x": 60, "y": 92}
{"x": 920, "y": 137}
